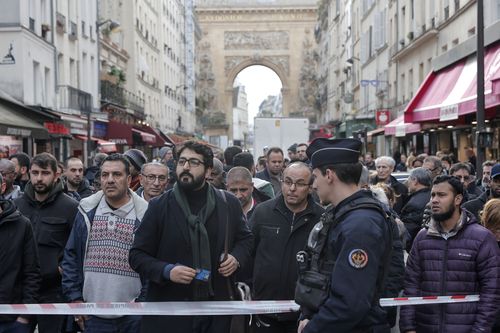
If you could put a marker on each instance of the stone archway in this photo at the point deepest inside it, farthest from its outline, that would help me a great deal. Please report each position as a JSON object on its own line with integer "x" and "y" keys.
{"x": 234, "y": 38}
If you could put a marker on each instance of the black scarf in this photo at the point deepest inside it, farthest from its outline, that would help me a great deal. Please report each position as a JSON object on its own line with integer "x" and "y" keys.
{"x": 198, "y": 234}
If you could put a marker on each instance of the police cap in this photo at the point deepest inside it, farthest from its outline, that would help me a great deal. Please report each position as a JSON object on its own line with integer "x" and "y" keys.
{"x": 324, "y": 151}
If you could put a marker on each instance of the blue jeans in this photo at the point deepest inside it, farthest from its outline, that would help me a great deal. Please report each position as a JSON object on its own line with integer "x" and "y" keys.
{"x": 14, "y": 327}
{"x": 125, "y": 324}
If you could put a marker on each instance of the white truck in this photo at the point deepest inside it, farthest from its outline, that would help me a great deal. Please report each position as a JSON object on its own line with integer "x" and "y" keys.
{"x": 278, "y": 132}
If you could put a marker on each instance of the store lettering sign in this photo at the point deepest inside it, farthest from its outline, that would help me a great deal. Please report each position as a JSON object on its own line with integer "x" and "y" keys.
{"x": 449, "y": 112}
{"x": 401, "y": 130}
{"x": 119, "y": 141}
{"x": 18, "y": 131}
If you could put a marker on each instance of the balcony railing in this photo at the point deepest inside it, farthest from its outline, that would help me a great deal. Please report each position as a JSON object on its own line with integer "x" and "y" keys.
{"x": 74, "y": 101}
{"x": 112, "y": 93}
{"x": 134, "y": 103}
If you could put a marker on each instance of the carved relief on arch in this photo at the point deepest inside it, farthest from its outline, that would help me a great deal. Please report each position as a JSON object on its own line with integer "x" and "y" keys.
{"x": 282, "y": 62}
{"x": 256, "y": 40}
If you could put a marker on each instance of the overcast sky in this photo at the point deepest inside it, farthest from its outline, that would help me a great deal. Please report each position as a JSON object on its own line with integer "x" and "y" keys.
{"x": 259, "y": 82}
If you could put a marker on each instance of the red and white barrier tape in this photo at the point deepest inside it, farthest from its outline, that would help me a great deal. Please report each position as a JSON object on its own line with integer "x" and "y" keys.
{"x": 155, "y": 308}
{"x": 428, "y": 300}
{"x": 199, "y": 308}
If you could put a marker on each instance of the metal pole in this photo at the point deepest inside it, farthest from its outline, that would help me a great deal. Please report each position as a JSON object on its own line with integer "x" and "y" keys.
{"x": 89, "y": 142}
{"x": 480, "y": 88}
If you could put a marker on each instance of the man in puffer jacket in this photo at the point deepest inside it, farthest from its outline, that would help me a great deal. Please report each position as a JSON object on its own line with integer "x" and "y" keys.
{"x": 455, "y": 256}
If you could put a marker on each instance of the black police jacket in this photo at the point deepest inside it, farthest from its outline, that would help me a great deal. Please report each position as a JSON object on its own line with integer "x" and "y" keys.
{"x": 19, "y": 269}
{"x": 51, "y": 220}
{"x": 359, "y": 244}
{"x": 279, "y": 235}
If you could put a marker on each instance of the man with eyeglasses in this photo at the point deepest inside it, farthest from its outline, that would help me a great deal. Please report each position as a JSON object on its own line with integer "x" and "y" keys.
{"x": 95, "y": 266}
{"x": 434, "y": 165}
{"x": 154, "y": 180}
{"x": 191, "y": 242}
{"x": 463, "y": 172}
{"x": 281, "y": 227}
{"x": 475, "y": 206}
{"x": 8, "y": 171}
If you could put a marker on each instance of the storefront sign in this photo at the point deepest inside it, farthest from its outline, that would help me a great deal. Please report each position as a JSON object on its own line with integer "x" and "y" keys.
{"x": 119, "y": 141}
{"x": 18, "y": 131}
{"x": 100, "y": 129}
{"x": 401, "y": 130}
{"x": 382, "y": 117}
{"x": 449, "y": 112}
{"x": 56, "y": 128}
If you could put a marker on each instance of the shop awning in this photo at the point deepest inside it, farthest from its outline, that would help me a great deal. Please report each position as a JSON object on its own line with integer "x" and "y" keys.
{"x": 119, "y": 133}
{"x": 398, "y": 127}
{"x": 15, "y": 123}
{"x": 160, "y": 141}
{"x": 105, "y": 146}
{"x": 451, "y": 92}
{"x": 375, "y": 132}
{"x": 146, "y": 138}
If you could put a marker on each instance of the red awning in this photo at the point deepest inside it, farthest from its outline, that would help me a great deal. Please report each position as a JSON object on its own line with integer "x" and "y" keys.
{"x": 451, "y": 92}
{"x": 398, "y": 127}
{"x": 119, "y": 133}
{"x": 104, "y": 146}
{"x": 160, "y": 141}
{"x": 146, "y": 138}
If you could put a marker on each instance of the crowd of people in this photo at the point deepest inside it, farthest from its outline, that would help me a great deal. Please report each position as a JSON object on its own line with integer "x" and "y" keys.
{"x": 332, "y": 229}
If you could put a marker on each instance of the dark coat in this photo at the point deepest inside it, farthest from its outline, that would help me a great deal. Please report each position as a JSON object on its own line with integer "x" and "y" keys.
{"x": 279, "y": 235}
{"x": 352, "y": 304}
{"x": 412, "y": 213}
{"x": 51, "y": 220}
{"x": 19, "y": 269}
{"x": 264, "y": 175}
{"x": 163, "y": 239}
{"x": 464, "y": 264}
{"x": 476, "y": 205}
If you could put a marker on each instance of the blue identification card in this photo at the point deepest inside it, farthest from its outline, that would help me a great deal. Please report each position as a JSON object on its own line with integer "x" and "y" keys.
{"x": 202, "y": 275}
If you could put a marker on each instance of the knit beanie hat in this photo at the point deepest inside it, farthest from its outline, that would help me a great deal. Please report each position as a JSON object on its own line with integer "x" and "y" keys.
{"x": 136, "y": 158}
{"x": 163, "y": 151}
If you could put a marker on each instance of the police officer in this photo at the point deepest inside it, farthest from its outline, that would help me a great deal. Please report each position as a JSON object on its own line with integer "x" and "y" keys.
{"x": 342, "y": 269}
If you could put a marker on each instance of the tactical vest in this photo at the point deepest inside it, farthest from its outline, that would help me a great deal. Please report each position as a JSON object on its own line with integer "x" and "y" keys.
{"x": 316, "y": 263}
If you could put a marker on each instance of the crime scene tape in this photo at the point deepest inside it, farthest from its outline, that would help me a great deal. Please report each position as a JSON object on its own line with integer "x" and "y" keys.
{"x": 428, "y": 300}
{"x": 220, "y": 308}
{"x": 153, "y": 308}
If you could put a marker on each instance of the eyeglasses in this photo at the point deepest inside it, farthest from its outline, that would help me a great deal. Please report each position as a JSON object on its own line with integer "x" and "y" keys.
{"x": 466, "y": 178}
{"x": 193, "y": 162}
{"x": 298, "y": 184}
{"x": 153, "y": 178}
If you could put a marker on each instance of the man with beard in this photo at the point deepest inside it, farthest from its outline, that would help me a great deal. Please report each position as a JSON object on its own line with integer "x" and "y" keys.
{"x": 19, "y": 269}
{"x": 191, "y": 242}
{"x": 274, "y": 169}
{"x": 281, "y": 227}
{"x": 476, "y": 205}
{"x": 455, "y": 256}
{"x": 154, "y": 180}
{"x": 51, "y": 213}
{"x": 76, "y": 184}
{"x": 95, "y": 265}
{"x": 8, "y": 171}
{"x": 301, "y": 153}
{"x": 22, "y": 163}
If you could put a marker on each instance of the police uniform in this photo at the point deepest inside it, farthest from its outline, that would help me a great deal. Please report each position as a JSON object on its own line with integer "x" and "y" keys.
{"x": 350, "y": 250}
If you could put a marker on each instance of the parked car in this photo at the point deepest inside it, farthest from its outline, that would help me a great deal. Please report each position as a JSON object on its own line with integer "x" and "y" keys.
{"x": 401, "y": 176}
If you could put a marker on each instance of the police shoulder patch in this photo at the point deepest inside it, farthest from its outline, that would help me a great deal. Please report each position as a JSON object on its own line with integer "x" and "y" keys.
{"x": 358, "y": 258}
